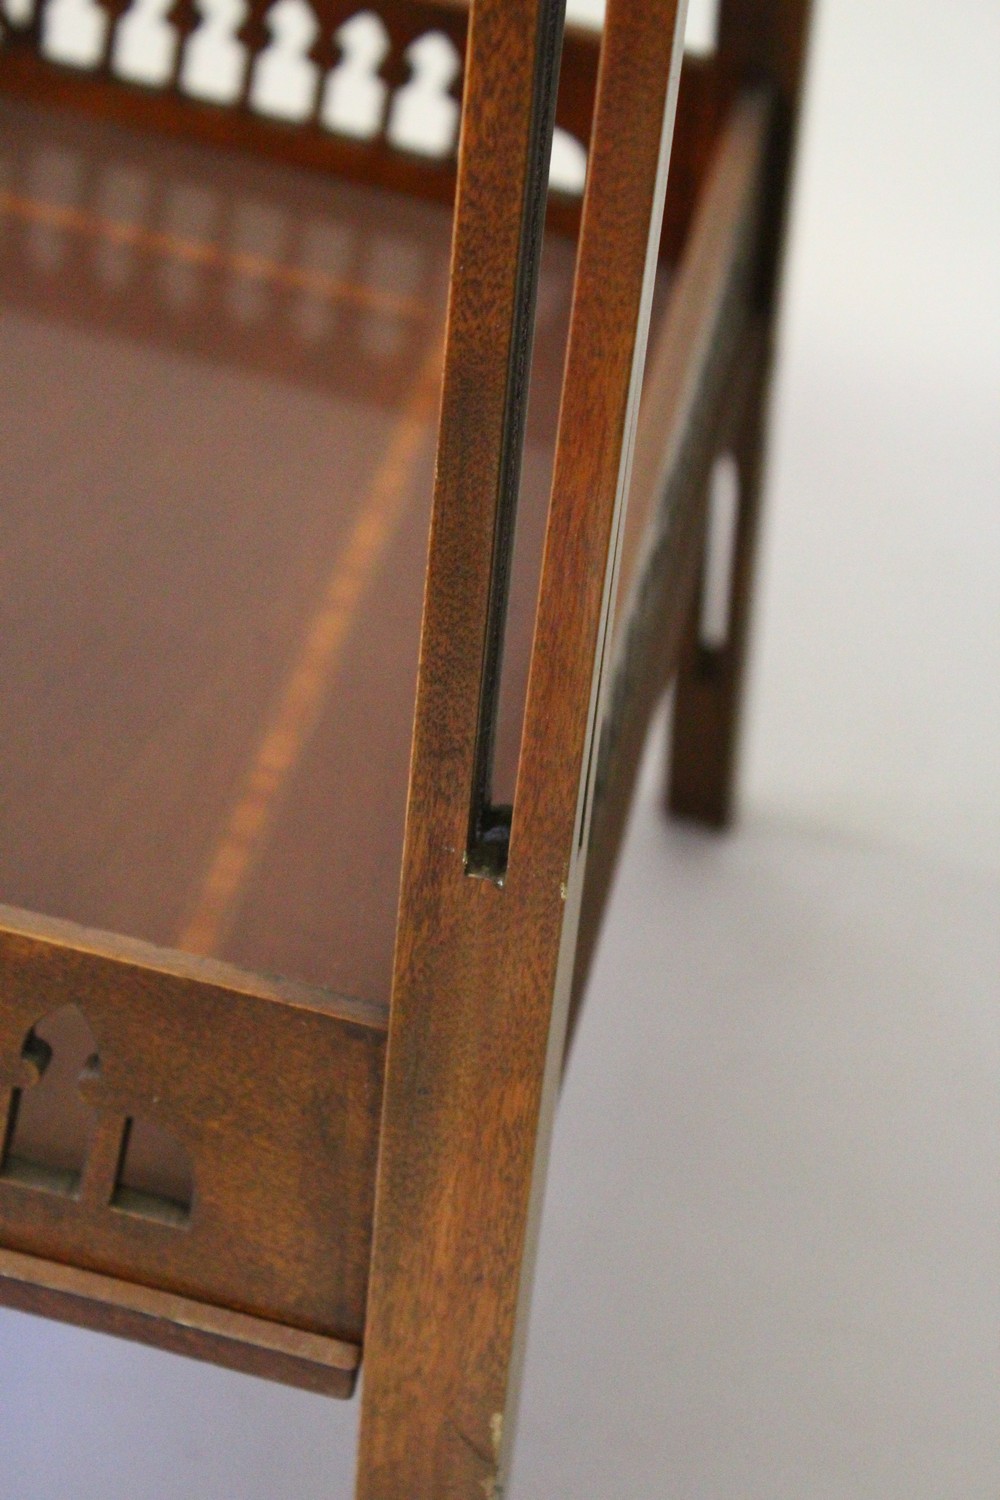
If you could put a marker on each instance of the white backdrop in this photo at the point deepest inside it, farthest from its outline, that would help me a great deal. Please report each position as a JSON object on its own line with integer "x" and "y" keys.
{"x": 876, "y": 691}
{"x": 875, "y": 694}
{"x": 793, "y": 1038}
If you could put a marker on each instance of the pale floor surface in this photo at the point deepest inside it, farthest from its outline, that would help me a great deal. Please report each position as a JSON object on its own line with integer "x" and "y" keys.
{"x": 771, "y": 1254}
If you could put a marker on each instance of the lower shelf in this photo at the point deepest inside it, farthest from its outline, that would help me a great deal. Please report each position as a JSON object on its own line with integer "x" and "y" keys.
{"x": 250, "y": 1345}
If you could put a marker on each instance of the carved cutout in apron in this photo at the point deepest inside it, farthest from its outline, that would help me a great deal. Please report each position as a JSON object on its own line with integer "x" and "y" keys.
{"x": 50, "y": 1127}
{"x": 57, "y": 1140}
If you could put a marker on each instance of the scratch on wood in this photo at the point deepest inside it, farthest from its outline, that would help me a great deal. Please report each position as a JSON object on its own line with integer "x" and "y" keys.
{"x": 484, "y": 1458}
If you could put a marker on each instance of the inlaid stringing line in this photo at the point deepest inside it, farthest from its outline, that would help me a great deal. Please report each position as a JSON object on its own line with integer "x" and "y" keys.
{"x": 276, "y": 75}
{"x": 301, "y": 699}
{"x": 195, "y": 252}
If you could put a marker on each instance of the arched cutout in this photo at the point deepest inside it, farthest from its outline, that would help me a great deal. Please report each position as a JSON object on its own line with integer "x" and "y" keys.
{"x": 50, "y": 1127}
{"x": 720, "y": 553}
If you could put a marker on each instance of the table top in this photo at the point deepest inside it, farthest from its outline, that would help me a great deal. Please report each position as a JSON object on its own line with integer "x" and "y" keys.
{"x": 220, "y": 384}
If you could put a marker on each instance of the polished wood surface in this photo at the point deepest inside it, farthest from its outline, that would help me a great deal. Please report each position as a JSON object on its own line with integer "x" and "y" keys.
{"x": 221, "y": 385}
{"x": 761, "y": 39}
{"x": 303, "y": 129}
{"x": 483, "y": 962}
{"x": 148, "y": 1316}
{"x": 706, "y": 348}
{"x": 270, "y": 1090}
{"x": 222, "y": 380}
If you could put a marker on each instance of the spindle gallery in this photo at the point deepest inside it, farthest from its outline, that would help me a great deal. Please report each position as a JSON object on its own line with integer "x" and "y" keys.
{"x": 384, "y": 405}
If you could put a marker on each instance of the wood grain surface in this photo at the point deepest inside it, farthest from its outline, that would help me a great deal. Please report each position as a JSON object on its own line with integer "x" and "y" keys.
{"x": 706, "y": 349}
{"x": 482, "y": 968}
{"x": 761, "y": 39}
{"x": 273, "y": 1091}
{"x": 148, "y": 1316}
{"x": 168, "y": 110}
{"x": 220, "y": 390}
{"x": 221, "y": 384}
